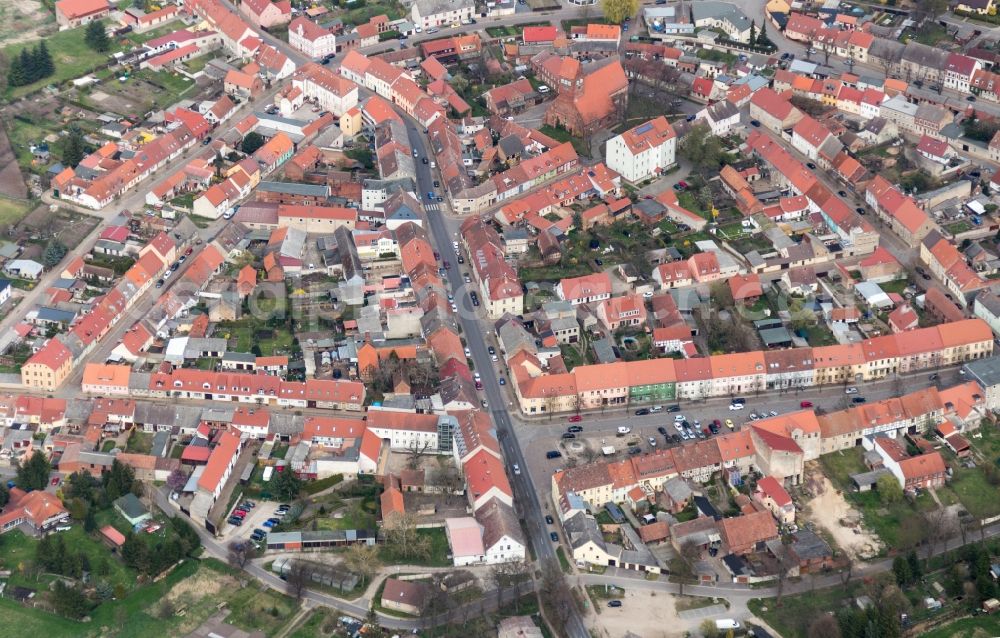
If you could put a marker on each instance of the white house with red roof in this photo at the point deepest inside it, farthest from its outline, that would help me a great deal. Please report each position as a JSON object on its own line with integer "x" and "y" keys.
{"x": 772, "y": 494}
{"x": 73, "y": 13}
{"x": 585, "y": 289}
{"x": 311, "y": 39}
{"x": 212, "y": 477}
{"x": 38, "y": 511}
{"x": 486, "y": 479}
{"x": 643, "y": 151}
{"x": 958, "y": 72}
{"x": 935, "y": 150}
{"x": 265, "y": 13}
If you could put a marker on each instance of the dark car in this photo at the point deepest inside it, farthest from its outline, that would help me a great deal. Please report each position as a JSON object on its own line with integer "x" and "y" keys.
{"x": 971, "y": 98}
{"x": 934, "y": 377}
{"x": 673, "y": 408}
{"x": 675, "y": 438}
{"x": 491, "y": 350}
{"x": 599, "y": 262}
{"x": 206, "y": 141}
{"x": 634, "y": 450}
{"x": 159, "y": 283}
{"x": 784, "y": 56}
{"x": 554, "y": 537}
{"x": 810, "y": 166}
{"x": 842, "y": 193}
{"x": 475, "y": 299}
{"x": 235, "y": 521}
{"x": 858, "y": 400}
{"x": 568, "y": 435}
{"x": 642, "y": 412}
{"x": 713, "y": 428}
{"x": 614, "y": 603}
{"x": 258, "y": 534}
{"x": 553, "y": 454}
{"x": 755, "y": 123}
{"x": 423, "y": 160}
{"x": 549, "y": 519}
{"x": 437, "y": 184}
{"x": 859, "y": 210}
{"x": 662, "y": 430}
{"x": 575, "y": 428}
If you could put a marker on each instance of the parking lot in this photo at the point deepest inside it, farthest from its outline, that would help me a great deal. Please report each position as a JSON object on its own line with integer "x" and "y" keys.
{"x": 253, "y": 520}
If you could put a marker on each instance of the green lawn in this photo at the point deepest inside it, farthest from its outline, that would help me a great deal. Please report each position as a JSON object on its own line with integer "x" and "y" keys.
{"x": 140, "y": 442}
{"x": 438, "y": 556}
{"x": 72, "y": 57}
{"x": 967, "y": 628}
{"x": 195, "y": 65}
{"x": 17, "y": 553}
{"x": 563, "y": 561}
{"x": 793, "y": 617}
{"x": 977, "y": 495}
{"x": 562, "y": 135}
{"x": 839, "y": 466}
{"x": 820, "y": 335}
{"x": 11, "y": 211}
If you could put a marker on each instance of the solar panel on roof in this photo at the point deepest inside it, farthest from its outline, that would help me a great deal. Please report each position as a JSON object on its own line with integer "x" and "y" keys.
{"x": 645, "y": 128}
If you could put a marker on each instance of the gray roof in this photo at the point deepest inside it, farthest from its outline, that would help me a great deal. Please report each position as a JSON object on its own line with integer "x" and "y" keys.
{"x": 130, "y": 505}
{"x": 810, "y": 546}
{"x": 312, "y": 190}
{"x": 986, "y": 372}
{"x": 46, "y": 313}
{"x": 431, "y": 7}
{"x": 709, "y": 9}
{"x": 581, "y": 529}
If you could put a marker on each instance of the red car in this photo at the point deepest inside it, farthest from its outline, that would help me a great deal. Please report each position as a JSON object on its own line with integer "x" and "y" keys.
{"x": 576, "y": 418}
{"x": 189, "y": 251}
{"x": 55, "y": 480}
{"x": 806, "y": 404}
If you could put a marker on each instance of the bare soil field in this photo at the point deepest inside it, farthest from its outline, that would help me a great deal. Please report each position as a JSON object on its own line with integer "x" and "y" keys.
{"x": 828, "y": 509}
{"x": 23, "y": 21}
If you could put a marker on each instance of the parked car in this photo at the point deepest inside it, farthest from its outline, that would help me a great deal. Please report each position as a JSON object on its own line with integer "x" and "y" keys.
{"x": 858, "y": 400}
{"x": 806, "y": 404}
{"x": 575, "y": 428}
{"x": 553, "y": 454}
{"x": 642, "y": 412}
{"x": 569, "y": 435}
{"x": 614, "y": 603}
{"x": 730, "y": 424}
{"x": 673, "y": 408}
{"x": 576, "y": 418}
{"x": 851, "y": 390}
{"x": 662, "y": 430}
{"x": 549, "y": 519}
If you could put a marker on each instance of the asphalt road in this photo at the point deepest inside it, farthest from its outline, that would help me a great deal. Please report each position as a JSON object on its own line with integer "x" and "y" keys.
{"x": 525, "y": 498}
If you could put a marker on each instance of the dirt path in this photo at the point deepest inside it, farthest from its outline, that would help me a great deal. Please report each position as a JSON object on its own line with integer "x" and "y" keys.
{"x": 828, "y": 508}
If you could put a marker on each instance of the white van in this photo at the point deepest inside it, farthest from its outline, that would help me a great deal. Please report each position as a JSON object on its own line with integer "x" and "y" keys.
{"x": 624, "y": 429}
{"x": 725, "y": 624}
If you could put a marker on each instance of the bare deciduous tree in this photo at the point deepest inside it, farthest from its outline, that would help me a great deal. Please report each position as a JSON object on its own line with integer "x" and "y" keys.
{"x": 363, "y": 560}
{"x": 296, "y": 580}
{"x": 240, "y": 553}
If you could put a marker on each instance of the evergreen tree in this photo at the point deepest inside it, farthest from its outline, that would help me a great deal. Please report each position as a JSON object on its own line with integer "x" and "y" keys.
{"x": 901, "y": 568}
{"x": 33, "y": 474}
{"x": 252, "y": 142}
{"x": 89, "y": 522}
{"x": 54, "y": 252}
{"x": 287, "y": 486}
{"x": 69, "y": 601}
{"x": 119, "y": 480}
{"x": 753, "y": 33}
{"x": 96, "y": 37}
{"x": 44, "y": 60}
{"x": 762, "y": 39}
{"x": 27, "y": 61}
{"x": 4, "y": 495}
{"x": 139, "y": 4}
{"x": 15, "y": 74}
{"x": 914, "y": 561}
{"x": 73, "y": 149}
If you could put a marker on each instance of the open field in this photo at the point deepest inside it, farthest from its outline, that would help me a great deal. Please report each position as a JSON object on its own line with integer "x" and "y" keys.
{"x": 71, "y": 55}
{"x": 23, "y": 21}
{"x": 12, "y": 211}
{"x": 11, "y": 183}
{"x": 795, "y": 613}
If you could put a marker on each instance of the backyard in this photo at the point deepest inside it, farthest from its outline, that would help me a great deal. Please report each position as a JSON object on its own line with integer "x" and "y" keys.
{"x": 793, "y": 616}
{"x": 71, "y": 55}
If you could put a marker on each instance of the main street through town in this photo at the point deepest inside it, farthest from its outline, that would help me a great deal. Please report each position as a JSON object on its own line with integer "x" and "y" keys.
{"x": 524, "y": 440}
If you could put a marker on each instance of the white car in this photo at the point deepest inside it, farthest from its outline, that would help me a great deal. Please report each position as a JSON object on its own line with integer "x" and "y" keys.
{"x": 679, "y": 428}
{"x": 475, "y": 375}
{"x": 737, "y": 406}
{"x": 851, "y": 390}
{"x": 517, "y": 470}
{"x": 652, "y": 442}
{"x": 656, "y": 408}
{"x": 678, "y": 418}
{"x": 622, "y": 429}
{"x": 543, "y": 88}
{"x": 468, "y": 352}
